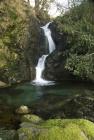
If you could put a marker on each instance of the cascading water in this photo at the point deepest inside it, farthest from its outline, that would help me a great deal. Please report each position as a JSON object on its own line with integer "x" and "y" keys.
{"x": 40, "y": 67}
{"x": 47, "y": 33}
{"x": 41, "y": 62}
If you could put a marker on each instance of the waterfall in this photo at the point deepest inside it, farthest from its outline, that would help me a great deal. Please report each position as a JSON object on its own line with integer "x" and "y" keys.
{"x": 40, "y": 67}
{"x": 41, "y": 62}
{"x": 47, "y": 33}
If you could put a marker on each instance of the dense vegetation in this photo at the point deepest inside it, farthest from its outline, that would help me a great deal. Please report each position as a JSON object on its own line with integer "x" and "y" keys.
{"x": 78, "y": 23}
{"x": 19, "y": 37}
{"x": 13, "y": 31}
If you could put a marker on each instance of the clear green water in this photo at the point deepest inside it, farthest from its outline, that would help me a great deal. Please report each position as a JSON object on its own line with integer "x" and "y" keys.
{"x": 27, "y": 93}
{"x": 44, "y": 101}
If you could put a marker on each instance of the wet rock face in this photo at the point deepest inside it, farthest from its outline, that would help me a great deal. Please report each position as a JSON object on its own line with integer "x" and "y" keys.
{"x": 55, "y": 67}
{"x": 60, "y": 39}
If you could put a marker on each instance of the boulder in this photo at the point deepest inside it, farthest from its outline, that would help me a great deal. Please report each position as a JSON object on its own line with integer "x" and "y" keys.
{"x": 59, "y": 129}
{"x": 2, "y": 84}
{"x": 31, "y": 118}
{"x": 23, "y": 110}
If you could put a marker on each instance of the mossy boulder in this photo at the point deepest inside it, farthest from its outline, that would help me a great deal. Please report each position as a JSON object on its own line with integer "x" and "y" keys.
{"x": 70, "y": 132}
{"x": 71, "y": 127}
{"x": 58, "y": 129}
{"x": 31, "y": 118}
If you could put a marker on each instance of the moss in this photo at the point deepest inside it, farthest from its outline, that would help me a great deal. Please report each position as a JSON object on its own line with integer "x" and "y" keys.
{"x": 60, "y": 129}
{"x": 54, "y": 133}
{"x": 70, "y": 132}
{"x": 86, "y": 126}
{"x": 31, "y": 118}
{"x": 25, "y": 133}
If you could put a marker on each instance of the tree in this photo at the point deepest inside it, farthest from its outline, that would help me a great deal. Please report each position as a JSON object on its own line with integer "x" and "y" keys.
{"x": 42, "y": 5}
{"x": 73, "y": 3}
{"x": 37, "y": 5}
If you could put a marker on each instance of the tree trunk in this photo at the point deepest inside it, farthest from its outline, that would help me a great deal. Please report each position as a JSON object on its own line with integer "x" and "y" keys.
{"x": 37, "y": 7}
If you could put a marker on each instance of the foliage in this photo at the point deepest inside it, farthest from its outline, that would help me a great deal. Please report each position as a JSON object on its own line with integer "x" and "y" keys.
{"x": 78, "y": 23}
{"x": 81, "y": 65}
{"x": 13, "y": 29}
{"x": 42, "y": 5}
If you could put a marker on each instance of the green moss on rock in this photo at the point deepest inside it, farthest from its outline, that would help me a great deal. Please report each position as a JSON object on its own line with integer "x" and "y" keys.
{"x": 84, "y": 125}
{"x": 59, "y": 129}
{"x": 25, "y": 133}
{"x": 31, "y": 118}
{"x": 70, "y": 132}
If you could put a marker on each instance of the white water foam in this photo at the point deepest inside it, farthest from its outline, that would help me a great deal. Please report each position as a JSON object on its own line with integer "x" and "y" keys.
{"x": 41, "y": 62}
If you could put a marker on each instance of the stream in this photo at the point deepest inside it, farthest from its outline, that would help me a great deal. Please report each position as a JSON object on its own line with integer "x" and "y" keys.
{"x": 45, "y": 101}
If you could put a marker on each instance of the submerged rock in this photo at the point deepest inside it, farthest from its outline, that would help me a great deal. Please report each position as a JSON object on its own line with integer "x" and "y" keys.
{"x": 77, "y": 106}
{"x": 59, "y": 129}
{"x": 23, "y": 110}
